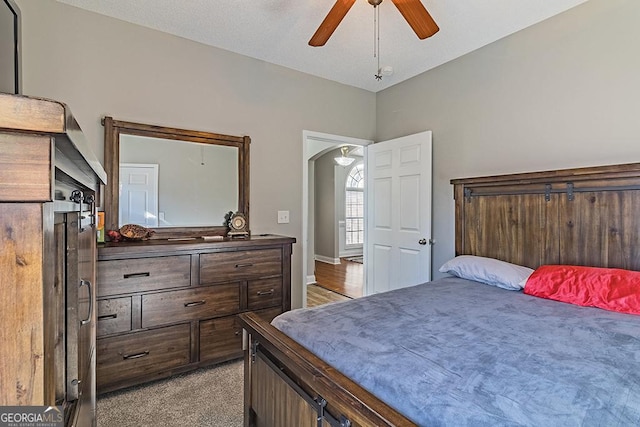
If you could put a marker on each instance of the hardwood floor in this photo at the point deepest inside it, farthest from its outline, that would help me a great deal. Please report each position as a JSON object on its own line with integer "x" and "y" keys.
{"x": 346, "y": 278}
{"x": 317, "y": 295}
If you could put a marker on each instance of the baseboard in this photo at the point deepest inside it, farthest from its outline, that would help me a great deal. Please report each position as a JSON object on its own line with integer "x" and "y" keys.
{"x": 327, "y": 260}
{"x": 311, "y": 279}
{"x": 351, "y": 252}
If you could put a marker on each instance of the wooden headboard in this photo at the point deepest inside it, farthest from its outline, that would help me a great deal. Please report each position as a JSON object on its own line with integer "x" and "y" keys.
{"x": 586, "y": 216}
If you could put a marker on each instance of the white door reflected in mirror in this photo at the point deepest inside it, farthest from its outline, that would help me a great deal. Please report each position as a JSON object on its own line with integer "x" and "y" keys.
{"x": 139, "y": 194}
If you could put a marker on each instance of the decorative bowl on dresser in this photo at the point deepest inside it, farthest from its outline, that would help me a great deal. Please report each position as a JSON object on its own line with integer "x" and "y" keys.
{"x": 170, "y": 306}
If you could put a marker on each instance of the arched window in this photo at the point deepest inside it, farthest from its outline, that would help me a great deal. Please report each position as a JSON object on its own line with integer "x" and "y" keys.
{"x": 354, "y": 206}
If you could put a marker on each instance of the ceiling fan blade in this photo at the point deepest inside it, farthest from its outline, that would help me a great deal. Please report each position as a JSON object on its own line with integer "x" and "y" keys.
{"x": 417, "y": 17}
{"x": 331, "y": 22}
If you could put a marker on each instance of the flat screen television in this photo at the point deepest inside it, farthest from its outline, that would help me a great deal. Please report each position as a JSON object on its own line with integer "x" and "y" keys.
{"x": 10, "y": 78}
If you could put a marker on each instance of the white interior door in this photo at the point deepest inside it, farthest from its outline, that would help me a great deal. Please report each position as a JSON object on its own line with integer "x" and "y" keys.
{"x": 398, "y": 182}
{"x": 139, "y": 194}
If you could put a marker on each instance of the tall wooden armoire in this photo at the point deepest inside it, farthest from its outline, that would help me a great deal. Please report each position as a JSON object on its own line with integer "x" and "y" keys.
{"x": 49, "y": 185}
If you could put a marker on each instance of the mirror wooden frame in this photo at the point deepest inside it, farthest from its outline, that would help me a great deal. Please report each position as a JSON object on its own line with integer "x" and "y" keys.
{"x": 112, "y": 131}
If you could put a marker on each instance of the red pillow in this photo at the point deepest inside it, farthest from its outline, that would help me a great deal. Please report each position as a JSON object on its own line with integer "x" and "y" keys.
{"x": 608, "y": 288}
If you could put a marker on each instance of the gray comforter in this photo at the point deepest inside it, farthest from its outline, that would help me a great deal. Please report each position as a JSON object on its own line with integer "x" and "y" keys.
{"x": 455, "y": 352}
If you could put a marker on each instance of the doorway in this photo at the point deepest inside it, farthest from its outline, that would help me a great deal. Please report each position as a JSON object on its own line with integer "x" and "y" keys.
{"x": 333, "y": 266}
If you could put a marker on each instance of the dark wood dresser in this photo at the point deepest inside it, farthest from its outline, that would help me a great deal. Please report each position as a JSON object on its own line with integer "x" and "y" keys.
{"x": 171, "y": 306}
{"x": 49, "y": 182}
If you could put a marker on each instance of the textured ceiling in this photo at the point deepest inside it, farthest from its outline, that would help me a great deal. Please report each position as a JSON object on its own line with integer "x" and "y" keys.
{"x": 277, "y": 31}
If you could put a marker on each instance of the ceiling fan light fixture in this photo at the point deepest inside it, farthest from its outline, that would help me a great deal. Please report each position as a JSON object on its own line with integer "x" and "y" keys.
{"x": 344, "y": 160}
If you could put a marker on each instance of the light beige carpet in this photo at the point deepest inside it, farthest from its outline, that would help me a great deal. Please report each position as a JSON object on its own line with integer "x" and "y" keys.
{"x": 209, "y": 397}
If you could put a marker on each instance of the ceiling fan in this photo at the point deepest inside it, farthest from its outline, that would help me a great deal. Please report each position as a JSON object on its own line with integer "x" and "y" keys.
{"x": 412, "y": 10}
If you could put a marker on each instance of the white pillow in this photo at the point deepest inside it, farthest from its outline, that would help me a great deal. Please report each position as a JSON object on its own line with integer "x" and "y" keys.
{"x": 488, "y": 270}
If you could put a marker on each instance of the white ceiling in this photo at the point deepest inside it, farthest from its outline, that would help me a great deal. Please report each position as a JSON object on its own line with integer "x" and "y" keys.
{"x": 277, "y": 31}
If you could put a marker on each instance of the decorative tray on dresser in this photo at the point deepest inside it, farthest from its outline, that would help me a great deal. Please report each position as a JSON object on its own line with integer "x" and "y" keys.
{"x": 169, "y": 306}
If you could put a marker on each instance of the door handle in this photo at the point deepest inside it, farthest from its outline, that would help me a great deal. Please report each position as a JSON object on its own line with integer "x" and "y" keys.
{"x": 89, "y": 315}
{"x": 422, "y": 242}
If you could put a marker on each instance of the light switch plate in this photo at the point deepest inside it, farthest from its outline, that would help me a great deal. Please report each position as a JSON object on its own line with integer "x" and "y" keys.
{"x": 283, "y": 217}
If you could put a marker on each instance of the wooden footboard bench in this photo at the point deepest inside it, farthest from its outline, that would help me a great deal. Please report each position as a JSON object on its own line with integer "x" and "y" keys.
{"x": 287, "y": 385}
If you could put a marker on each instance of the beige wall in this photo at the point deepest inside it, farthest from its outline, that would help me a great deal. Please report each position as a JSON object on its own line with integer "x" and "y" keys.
{"x": 563, "y": 93}
{"x": 102, "y": 66}
{"x": 325, "y": 221}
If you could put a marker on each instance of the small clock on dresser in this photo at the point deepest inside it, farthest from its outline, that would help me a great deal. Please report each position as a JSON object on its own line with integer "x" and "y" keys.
{"x": 238, "y": 226}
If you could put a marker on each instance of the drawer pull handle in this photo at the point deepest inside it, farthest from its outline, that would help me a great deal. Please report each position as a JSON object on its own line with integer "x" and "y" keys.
{"x": 262, "y": 293}
{"x": 135, "y": 356}
{"x": 108, "y": 316}
{"x": 134, "y": 275}
{"x": 244, "y": 265}
{"x": 195, "y": 303}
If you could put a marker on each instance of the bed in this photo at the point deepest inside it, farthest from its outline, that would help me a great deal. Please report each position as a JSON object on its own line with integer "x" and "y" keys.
{"x": 460, "y": 352}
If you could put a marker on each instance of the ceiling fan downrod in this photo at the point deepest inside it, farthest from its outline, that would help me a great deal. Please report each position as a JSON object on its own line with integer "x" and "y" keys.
{"x": 376, "y": 36}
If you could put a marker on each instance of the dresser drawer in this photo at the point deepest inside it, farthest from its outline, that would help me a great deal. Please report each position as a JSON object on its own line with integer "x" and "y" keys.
{"x": 143, "y": 274}
{"x": 220, "y": 339}
{"x": 228, "y": 266}
{"x": 114, "y": 315}
{"x": 264, "y": 293}
{"x": 142, "y": 353}
{"x": 190, "y": 304}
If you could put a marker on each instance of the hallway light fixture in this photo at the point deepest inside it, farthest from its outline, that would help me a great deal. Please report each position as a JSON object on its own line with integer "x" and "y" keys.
{"x": 344, "y": 160}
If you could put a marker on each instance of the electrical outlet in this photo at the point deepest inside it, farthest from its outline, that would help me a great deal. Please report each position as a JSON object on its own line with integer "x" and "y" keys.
{"x": 283, "y": 217}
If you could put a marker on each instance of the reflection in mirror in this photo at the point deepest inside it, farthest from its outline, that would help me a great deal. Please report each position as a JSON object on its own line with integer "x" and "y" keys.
{"x": 169, "y": 183}
{"x": 179, "y": 182}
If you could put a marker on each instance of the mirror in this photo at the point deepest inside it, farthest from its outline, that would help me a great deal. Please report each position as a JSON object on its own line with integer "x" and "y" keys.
{"x": 178, "y": 182}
